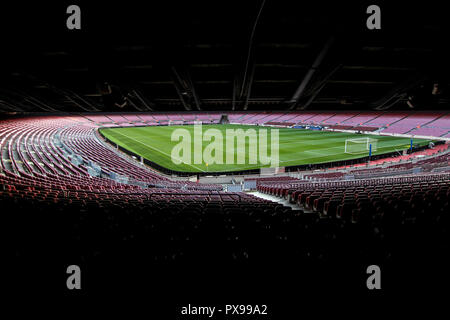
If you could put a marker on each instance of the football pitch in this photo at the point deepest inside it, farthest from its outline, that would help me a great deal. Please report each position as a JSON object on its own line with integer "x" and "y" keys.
{"x": 296, "y": 146}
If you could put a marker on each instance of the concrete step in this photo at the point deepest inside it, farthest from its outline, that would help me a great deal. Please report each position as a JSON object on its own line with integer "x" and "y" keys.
{"x": 275, "y": 199}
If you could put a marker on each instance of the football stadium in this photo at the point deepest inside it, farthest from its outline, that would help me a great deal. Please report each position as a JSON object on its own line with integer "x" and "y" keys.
{"x": 298, "y": 147}
{"x": 180, "y": 142}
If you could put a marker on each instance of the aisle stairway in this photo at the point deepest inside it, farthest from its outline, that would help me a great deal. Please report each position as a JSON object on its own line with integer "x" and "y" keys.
{"x": 275, "y": 199}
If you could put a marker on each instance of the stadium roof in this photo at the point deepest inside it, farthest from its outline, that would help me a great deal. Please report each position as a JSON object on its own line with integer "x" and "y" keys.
{"x": 224, "y": 55}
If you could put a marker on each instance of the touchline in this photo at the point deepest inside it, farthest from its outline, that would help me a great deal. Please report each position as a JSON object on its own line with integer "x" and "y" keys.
{"x": 222, "y": 150}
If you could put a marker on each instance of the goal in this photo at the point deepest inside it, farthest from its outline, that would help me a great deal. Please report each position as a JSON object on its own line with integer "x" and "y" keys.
{"x": 360, "y": 145}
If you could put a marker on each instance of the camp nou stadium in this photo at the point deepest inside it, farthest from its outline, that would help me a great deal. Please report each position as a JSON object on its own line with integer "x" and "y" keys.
{"x": 280, "y": 136}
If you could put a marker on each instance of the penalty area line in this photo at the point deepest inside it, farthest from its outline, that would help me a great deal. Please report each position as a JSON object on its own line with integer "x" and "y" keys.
{"x": 158, "y": 150}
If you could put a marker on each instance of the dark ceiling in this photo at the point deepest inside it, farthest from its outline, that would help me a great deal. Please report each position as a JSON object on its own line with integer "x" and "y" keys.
{"x": 223, "y": 55}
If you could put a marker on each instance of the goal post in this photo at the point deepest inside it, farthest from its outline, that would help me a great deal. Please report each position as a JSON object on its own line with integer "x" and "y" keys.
{"x": 360, "y": 145}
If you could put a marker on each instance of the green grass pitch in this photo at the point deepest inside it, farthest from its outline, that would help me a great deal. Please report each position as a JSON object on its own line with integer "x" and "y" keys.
{"x": 296, "y": 146}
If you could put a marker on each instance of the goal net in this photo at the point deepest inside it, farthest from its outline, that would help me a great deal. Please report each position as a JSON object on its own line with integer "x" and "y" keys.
{"x": 360, "y": 145}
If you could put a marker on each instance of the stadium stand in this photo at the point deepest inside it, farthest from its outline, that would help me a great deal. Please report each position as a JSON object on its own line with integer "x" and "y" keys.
{"x": 339, "y": 118}
{"x": 365, "y": 128}
{"x": 436, "y": 160}
{"x": 361, "y": 118}
{"x": 40, "y": 173}
{"x": 282, "y": 124}
{"x": 386, "y": 119}
{"x": 90, "y": 113}
{"x": 341, "y": 127}
{"x": 415, "y": 120}
{"x": 319, "y": 118}
{"x": 380, "y": 205}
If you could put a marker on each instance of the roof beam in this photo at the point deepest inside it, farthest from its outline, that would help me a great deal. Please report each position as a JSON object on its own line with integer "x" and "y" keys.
{"x": 249, "y": 66}
{"x": 316, "y": 90}
{"x": 235, "y": 90}
{"x": 249, "y": 87}
{"x": 148, "y": 105}
{"x": 397, "y": 93}
{"x": 185, "y": 89}
{"x": 307, "y": 78}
